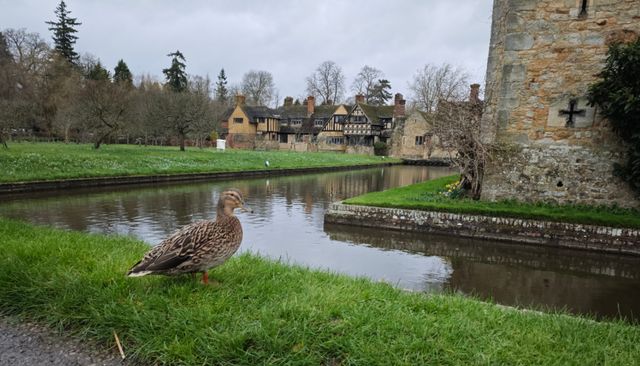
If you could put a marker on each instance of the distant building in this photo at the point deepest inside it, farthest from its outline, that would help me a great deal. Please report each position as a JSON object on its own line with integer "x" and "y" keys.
{"x": 245, "y": 123}
{"x": 414, "y": 137}
{"x": 367, "y": 124}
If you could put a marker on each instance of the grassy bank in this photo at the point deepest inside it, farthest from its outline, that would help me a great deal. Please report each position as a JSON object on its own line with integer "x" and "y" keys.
{"x": 270, "y": 313}
{"x": 427, "y": 196}
{"x": 46, "y": 161}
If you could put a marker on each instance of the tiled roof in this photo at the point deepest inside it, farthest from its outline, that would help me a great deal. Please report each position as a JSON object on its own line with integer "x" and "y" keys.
{"x": 258, "y": 111}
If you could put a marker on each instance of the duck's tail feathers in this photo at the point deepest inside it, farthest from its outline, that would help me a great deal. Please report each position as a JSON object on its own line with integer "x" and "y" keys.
{"x": 138, "y": 274}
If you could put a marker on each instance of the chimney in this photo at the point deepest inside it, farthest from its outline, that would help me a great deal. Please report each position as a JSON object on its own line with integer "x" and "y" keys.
{"x": 288, "y": 101}
{"x": 359, "y": 98}
{"x": 474, "y": 94}
{"x": 311, "y": 105}
{"x": 239, "y": 99}
{"x": 399, "y": 107}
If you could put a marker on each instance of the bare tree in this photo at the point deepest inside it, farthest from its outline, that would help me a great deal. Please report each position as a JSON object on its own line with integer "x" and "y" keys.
{"x": 366, "y": 80}
{"x": 103, "y": 107}
{"x": 258, "y": 87}
{"x": 147, "y": 121}
{"x": 30, "y": 51}
{"x": 23, "y": 76}
{"x": 202, "y": 109}
{"x": 434, "y": 83}
{"x": 67, "y": 97}
{"x": 327, "y": 82}
{"x": 457, "y": 127}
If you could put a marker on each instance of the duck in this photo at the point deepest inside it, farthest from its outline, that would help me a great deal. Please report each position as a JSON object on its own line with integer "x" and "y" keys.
{"x": 199, "y": 246}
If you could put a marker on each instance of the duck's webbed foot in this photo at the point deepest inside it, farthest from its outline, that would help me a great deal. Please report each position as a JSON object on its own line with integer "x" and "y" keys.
{"x": 207, "y": 282}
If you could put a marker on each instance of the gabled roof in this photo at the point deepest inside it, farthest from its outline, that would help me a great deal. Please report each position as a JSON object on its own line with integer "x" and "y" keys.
{"x": 258, "y": 111}
{"x": 325, "y": 111}
{"x": 227, "y": 113}
{"x": 293, "y": 111}
{"x": 375, "y": 113}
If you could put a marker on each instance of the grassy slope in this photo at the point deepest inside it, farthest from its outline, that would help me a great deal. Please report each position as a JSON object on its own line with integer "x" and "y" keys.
{"x": 425, "y": 196}
{"x": 269, "y": 313}
{"x": 46, "y": 161}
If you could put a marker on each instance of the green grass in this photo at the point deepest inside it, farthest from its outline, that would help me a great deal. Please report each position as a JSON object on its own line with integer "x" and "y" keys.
{"x": 24, "y": 162}
{"x": 426, "y": 196}
{"x": 266, "y": 312}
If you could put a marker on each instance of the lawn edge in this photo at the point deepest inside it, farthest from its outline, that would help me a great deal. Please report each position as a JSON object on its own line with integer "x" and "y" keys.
{"x": 56, "y": 184}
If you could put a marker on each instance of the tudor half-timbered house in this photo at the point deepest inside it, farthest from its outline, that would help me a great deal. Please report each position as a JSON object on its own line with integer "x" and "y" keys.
{"x": 367, "y": 124}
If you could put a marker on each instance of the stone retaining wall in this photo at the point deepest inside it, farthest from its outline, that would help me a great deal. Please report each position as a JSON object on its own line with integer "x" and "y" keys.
{"x": 546, "y": 233}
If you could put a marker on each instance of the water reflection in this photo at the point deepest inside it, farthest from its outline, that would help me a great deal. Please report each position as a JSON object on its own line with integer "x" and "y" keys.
{"x": 601, "y": 284}
{"x": 288, "y": 224}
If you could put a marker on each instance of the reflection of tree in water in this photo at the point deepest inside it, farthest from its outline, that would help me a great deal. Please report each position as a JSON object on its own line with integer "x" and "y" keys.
{"x": 160, "y": 209}
{"x": 514, "y": 274}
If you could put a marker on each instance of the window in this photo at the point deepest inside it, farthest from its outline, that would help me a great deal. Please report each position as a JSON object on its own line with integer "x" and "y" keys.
{"x": 335, "y": 140}
{"x": 238, "y": 120}
{"x": 319, "y": 122}
{"x": 339, "y": 118}
{"x": 283, "y": 138}
{"x": 419, "y": 140}
{"x": 296, "y": 122}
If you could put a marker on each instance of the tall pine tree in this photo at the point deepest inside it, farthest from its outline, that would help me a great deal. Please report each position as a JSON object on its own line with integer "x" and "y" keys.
{"x": 175, "y": 74}
{"x": 63, "y": 32}
{"x": 122, "y": 74}
{"x": 222, "y": 93}
{"x": 379, "y": 93}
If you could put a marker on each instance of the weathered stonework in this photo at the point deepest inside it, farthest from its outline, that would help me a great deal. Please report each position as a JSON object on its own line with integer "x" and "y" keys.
{"x": 407, "y": 131}
{"x": 543, "y": 56}
{"x": 536, "y": 232}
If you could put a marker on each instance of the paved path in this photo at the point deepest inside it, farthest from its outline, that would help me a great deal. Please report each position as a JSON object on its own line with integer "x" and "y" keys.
{"x": 31, "y": 345}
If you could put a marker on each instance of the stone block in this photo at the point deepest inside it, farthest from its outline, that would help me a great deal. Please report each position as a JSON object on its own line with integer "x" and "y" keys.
{"x": 522, "y": 4}
{"x": 518, "y": 41}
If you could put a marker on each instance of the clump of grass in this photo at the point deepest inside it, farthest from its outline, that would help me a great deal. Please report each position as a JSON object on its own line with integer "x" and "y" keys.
{"x": 48, "y": 161}
{"x": 428, "y": 196}
{"x": 266, "y": 312}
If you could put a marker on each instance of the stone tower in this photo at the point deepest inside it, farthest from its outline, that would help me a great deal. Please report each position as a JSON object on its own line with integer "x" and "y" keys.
{"x": 543, "y": 56}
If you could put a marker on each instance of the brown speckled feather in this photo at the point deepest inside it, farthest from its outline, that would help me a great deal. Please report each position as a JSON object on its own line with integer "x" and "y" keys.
{"x": 194, "y": 248}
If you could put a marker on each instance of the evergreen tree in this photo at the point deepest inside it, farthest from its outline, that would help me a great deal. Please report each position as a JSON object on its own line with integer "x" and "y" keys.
{"x": 617, "y": 95}
{"x": 63, "y": 32}
{"x": 222, "y": 93}
{"x": 379, "y": 93}
{"x": 98, "y": 73}
{"x": 176, "y": 76}
{"x": 122, "y": 75}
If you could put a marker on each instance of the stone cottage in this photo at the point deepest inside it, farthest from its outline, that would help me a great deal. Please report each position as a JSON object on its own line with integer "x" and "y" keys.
{"x": 414, "y": 136}
{"x": 543, "y": 56}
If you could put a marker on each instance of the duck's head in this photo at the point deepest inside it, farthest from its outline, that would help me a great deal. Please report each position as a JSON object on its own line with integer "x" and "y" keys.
{"x": 230, "y": 200}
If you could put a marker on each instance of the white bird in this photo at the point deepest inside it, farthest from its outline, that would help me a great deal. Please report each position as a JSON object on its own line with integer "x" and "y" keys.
{"x": 266, "y": 163}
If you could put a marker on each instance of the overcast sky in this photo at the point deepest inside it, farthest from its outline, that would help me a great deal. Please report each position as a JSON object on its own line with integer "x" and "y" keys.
{"x": 288, "y": 38}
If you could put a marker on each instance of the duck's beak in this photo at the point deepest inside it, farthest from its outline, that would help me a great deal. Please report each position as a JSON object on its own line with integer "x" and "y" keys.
{"x": 245, "y": 209}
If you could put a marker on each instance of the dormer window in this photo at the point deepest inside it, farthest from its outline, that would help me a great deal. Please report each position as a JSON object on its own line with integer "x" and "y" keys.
{"x": 296, "y": 122}
{"x": 319, "y": 122}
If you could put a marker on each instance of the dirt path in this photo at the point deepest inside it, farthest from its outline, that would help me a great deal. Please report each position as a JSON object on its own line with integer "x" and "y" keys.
{"x": 32, "y": 345}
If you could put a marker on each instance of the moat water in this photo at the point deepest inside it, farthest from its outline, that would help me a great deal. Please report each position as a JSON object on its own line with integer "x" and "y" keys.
{"x": 288, "y": 224}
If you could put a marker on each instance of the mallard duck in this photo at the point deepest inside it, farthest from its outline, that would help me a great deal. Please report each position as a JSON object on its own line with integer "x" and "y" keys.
{"x": 199, "y": 246}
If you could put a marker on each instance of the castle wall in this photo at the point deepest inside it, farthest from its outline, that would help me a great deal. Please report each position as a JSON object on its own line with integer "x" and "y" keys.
{"x": 543, "y": 56}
